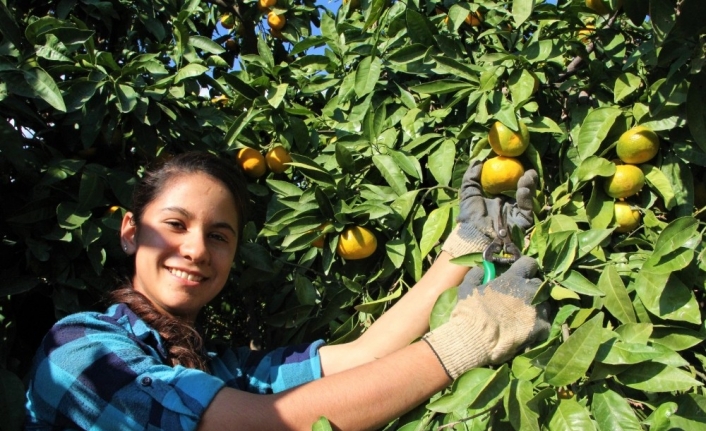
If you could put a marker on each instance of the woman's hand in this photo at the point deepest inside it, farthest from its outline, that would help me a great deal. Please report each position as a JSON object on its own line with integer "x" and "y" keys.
{"x": 477, "y": 222}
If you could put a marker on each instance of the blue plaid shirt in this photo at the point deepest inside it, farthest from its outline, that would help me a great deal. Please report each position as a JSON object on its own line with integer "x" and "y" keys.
{"x": 107, "y": 371}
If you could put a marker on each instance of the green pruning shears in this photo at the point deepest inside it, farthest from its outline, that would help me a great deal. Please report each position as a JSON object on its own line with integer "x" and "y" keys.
{"x": 501, "y": 243}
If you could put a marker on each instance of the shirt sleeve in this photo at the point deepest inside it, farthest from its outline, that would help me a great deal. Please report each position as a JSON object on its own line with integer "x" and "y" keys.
{"x": 94, "y": 374}
{"x": 269, "y": 372}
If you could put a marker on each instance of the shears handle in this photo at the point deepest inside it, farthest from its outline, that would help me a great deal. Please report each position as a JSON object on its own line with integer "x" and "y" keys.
{"x": 488, "y": 271}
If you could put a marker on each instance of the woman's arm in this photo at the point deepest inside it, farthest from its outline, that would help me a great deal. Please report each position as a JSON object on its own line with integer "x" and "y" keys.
{"x": 361, "y": 398}
{"x": 406, "y": 321}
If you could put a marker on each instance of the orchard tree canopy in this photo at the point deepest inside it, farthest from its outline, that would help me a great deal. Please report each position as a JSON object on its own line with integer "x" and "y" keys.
{"x": 379, "y": 107}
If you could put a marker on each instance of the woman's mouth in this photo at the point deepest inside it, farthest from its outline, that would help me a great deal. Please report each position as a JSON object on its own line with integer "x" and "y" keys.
{"x": 185, "y": 275}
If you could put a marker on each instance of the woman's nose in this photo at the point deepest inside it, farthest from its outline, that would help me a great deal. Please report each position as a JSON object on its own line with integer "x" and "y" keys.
{"x": 194, "y": 247}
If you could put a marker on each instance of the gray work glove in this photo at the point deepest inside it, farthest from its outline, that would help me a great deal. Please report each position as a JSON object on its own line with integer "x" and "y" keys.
{"x": 477, "y": 221}
{"x": 492, "y": 321}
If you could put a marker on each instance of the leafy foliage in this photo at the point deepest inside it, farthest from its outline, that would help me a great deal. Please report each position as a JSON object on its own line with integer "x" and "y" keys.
{"x": 382, "y": 105}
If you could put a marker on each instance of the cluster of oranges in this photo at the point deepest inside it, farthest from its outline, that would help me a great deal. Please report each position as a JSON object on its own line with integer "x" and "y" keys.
{"x": 501, "y": 173}
{"x": 636, "y": 146}
{"x": 276, "y": 21}
{"x": 254, "y": 164}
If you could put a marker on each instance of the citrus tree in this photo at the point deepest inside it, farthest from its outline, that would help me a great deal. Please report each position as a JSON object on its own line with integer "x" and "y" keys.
{"x": 354, "y": 128}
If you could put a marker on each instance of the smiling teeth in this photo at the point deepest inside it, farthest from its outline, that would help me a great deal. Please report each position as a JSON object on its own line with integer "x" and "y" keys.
{"x": 185, "y": 275}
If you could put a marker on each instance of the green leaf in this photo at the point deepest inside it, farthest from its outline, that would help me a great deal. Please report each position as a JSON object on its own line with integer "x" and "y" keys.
{"x": 691, "y": 414}
{"x": 434, "y": 227}
{"x": 594, "y": 129}
{"x": 206, "y": 44}
{"x": 616, "y": 352}
{"x": 449, "y": 66}
{"x": 391, "y": 172}
{"x": 441, "y": 162}
{"x": 44, "y": 87}
{"x": 572, "y": 359}
{"x": 443, "y": 307}
{"x": 321, "y": 425}
{"x": 616, "y": 299}
{"x": 594, "y": 166}
{"x": 590, "y": 239}
{"x": 521, "y": 412}
{"x": 521, "y": 10}
{"x": 674, "y": 236}
{"x": 560, "y": 253}
{"x": 477, "y": 388}
{"x": 655, "y": 377}
{"x": 420, "y": 30}
{"x": 395, "y": 249}
{"x": 375, "y": 11}
{"x": 441, "y": 86}
{"x": 69, "y": 217}
{"x": 189, "y": 71}
{"x": 570, "y": 415}
{"x": 367, "y": 75}
{"x": 575, "y": 281}
{"x": 312, "y": 170}
{"x": 127, "y": 98}
{"x": 238, "y": 125}
{"x": 612, "y": 411}
{"x": 660, "y": 183}
{"x": 277, "y": 95}
{"x": 12, "y": 398}
{"x": 625, "y": 85}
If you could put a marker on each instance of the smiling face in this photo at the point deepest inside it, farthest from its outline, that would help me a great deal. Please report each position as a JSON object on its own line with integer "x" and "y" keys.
{"x": 184, "y": 244}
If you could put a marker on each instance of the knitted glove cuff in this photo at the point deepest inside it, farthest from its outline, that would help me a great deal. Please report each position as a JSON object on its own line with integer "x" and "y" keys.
{"x": 455, "y": 357}
{"x": 465, "y": 239}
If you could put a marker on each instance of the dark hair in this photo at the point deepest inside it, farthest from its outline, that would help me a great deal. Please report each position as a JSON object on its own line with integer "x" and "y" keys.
{"x": 183, "y": 343}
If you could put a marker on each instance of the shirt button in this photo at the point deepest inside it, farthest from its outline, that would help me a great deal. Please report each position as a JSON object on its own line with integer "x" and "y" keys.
{"x": 146, "y": 381}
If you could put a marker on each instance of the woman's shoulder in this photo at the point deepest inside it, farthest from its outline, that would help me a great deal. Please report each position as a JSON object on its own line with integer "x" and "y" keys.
{"x": 116, "y": 319}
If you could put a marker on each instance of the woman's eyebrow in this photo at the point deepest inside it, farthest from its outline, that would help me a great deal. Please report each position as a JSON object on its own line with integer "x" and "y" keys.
{"x": 188, "y": 215}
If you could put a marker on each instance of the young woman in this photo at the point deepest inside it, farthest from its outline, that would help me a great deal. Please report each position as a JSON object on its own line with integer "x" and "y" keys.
{"x": 141, "y": 364}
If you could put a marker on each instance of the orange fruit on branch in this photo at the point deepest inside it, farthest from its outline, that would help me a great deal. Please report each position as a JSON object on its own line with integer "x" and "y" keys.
{"x": 251, "y": 162}
{"x": 227, "y": 21}
{"x": 626, "y": 217}
{"x": 627, "y": 181}
{"x": 500, "y": 174}
{"x": 637, "y": 145}
{"x": 474, "y": 19}
{"x": 506, "y": 142}
{"x": 277, "y": 158}
{"x": 275, "y": 21}
{"x": 265, "y": 5}
{"x": 356, "y": 242}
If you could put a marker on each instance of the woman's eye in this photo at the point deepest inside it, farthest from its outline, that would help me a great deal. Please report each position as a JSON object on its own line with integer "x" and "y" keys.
{"x": 219, "y": 237}
{"x": 175, "y": 224}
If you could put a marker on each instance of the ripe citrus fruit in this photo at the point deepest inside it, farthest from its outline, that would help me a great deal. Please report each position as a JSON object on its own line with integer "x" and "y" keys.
{"x": 585, "y": 33}
{"x": 506, "y": 142}
{"x": 598, "y": 6}
{"x": 319, "y": 241}
{"x": 474, "y": 19}
{"x": 276, "y": 159}
{"x": 627, "y": 181}
{"x": 265, "y": 5}
{"x": 356, "y": 242}
{"x": 637, "y": 145}
{"x": 252, "y": 162}
{"x": 500, "y": 174}
{"x": 227, "y": 21}
{"x": 626, "y": 217}
{"x": 231, "y": 44}
{"x": 276, "y": 21}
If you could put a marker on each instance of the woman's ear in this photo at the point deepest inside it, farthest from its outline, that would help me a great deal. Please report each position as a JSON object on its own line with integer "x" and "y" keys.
{"x": 128, "y": 230}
